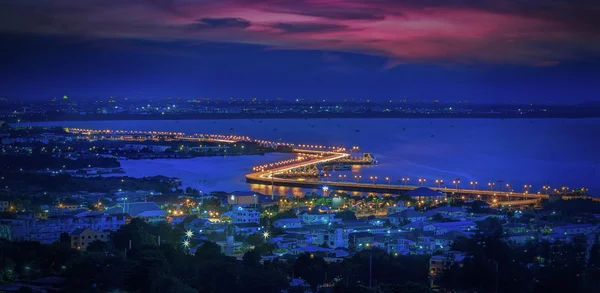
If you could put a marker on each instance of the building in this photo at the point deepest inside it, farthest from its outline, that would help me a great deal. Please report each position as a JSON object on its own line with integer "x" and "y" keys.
{"x": 426, "y": 194}
{"x": 4, "y": 205}
{"x": 148, "y": 211}
{"x": 242, "y": 215}
{"x": 250, "y": 199}
{"x": 445, "y": 227}
{"x": 574, "y": 229}
{"x": 439, "y": 263}
{"x": 398, "y": 207}
{"x": 293, "y": 223}
{"x": 410, "y": 216}
{"x": 81, "y": 238}
{"x": 316, "y": 218}
{"x": 5, "y": 230}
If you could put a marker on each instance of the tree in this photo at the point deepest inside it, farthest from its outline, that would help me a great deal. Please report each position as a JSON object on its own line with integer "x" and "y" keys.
{"x": 208, "y": 251}
{"x": 65, "y": 238}
{"x": 166, "y": 284}
{"x": 136, "y": 232}
{"x": 254, "y": 239}
{"x": 97, "y": 246}
{"x": 311, "y": 268}
{"x": 251, "y": 258}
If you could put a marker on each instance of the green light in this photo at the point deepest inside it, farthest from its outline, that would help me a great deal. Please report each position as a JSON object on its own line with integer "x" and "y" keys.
{"x": 65, "y": 97}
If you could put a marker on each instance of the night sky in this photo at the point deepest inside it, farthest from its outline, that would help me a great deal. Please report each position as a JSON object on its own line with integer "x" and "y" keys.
{"x": 483, "y": 51}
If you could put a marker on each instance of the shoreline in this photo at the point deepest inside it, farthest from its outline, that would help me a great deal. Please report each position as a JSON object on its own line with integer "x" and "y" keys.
{"x": 124, "y": 117}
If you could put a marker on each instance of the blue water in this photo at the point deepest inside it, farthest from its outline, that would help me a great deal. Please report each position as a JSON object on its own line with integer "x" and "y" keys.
{"x": 559, "y": 152}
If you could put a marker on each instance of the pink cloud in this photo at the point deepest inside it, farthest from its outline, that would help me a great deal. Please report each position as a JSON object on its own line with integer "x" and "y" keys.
{"x": 403, "y": 31}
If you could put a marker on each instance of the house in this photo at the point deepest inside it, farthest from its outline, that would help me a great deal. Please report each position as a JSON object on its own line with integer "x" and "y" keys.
{"x": 310, "y": 249}
{"x": 445, "y": 227}
{"x": 293, "y": 223}
{"x": 398, "y": 207}
{"x": 574, "y": 229}
{"x": 447, "y": 240}
{"x": 148, "y": 211}
{"x": 316, "y": 218}
{"x": 426, "y": 194}
{"x": 81, "y": 238}
{"x": 450, "y": 212}
{"x": 4, "y": 205}
{"x": 414, "y": 226}
{"x": 197, "y": 224}
{"x": 439, "y": 263}
{"x": 241, "y": 215}
{"x": 522, "y": 238}
{"x": 514, "y": 228}
{"x": 360, "y": 240}
{"x": 407, "y": 215}
{"x": 247, "y": 228}
{"x": 249, "y": 199}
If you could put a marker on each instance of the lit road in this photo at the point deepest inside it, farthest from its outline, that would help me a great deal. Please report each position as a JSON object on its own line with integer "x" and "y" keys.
{"x": 267, "y": 178}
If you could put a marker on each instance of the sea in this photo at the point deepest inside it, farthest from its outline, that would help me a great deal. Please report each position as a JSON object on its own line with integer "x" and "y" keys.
{"x": 517, "y": 152}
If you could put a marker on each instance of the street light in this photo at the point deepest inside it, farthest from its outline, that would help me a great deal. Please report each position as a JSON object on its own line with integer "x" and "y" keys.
{"x": 373, "y": 178}
{"x": 527, "y": 188}
{"x": 491, "y": 185}
{"x": 439, "y": 182}
{"x": 546, "y": 188}
{"x": 388, "y": 180}
{"x": 473, "y": 184}
{"x": 422, "y": 181}
{"x": 507, "y": 187}
{"x": 405, "y": 180}
{"x": 357, "y": 178}
{"x": 456, "y": 182}
{"x": 342, "y": 177}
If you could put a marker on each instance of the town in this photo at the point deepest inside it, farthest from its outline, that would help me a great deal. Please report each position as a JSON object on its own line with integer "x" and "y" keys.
{"x": 63, "y": 193}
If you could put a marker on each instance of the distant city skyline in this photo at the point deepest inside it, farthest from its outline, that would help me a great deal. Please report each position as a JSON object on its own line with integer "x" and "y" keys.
{"x": 483, "y": 51}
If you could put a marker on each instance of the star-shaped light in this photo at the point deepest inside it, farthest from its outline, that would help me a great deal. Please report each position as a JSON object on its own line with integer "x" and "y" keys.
{"x": 266, "y": 234}
{"x": 186, "y": 243}
{"x": 189, "y": 233}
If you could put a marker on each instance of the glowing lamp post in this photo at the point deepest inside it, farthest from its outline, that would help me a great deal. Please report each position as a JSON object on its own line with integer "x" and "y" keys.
{"x": 325, "y": 190}
{"x": 473, "y": 184}
{"x": 405, "y": 180}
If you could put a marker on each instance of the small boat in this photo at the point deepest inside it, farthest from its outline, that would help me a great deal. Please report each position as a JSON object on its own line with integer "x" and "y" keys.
{"x": 342, "y": 167}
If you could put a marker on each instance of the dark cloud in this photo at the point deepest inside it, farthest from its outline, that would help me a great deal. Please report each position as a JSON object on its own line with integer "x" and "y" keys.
{"x": 329, "y": 11}
{"x": 307, "y": 27}
{"x": 577, "y": 15}
{"x": 220, "y": 23}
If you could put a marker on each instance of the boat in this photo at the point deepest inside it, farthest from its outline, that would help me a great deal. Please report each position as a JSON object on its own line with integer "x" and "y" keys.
{"x": 342, "y": 167}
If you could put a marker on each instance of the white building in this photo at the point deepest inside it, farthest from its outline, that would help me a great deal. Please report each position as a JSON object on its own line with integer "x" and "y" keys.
{"x": 316, "y": 218}
{"x": 243, "y": 215}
